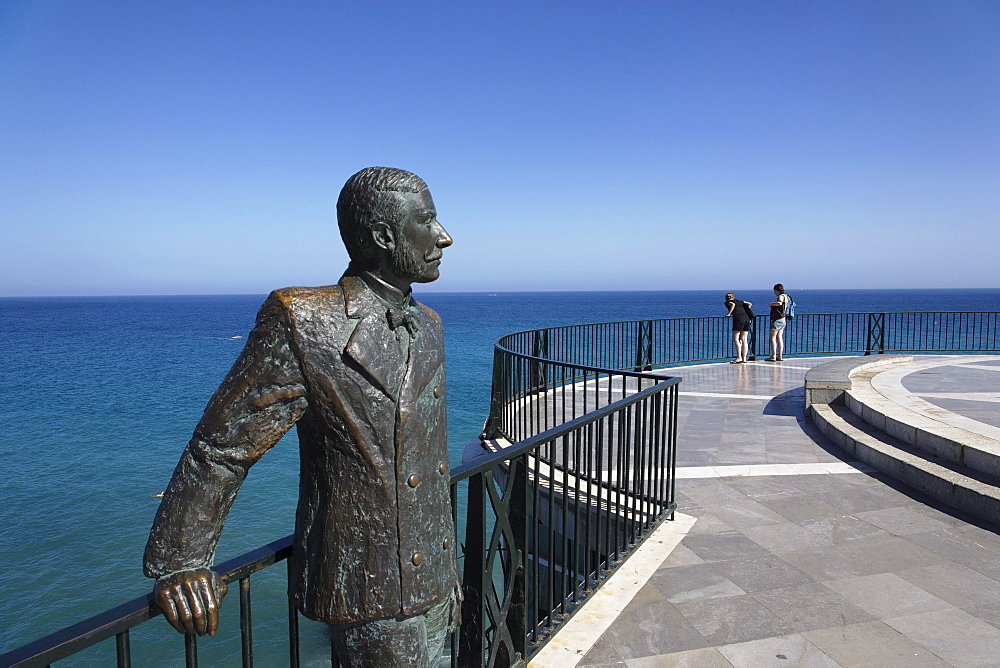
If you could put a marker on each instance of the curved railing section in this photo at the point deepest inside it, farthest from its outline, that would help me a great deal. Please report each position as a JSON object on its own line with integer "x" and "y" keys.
{"x": 613, "y": 359}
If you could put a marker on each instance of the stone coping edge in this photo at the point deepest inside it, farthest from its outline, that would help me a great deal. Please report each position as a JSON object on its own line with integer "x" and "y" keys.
{"x": 944, "y": 441}
{"x": 827, "y": 383}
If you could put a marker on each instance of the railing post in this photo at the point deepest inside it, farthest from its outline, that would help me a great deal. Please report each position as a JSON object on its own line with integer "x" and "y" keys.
{"x": 753, "y": 338}
{"x": 472, "y": 643}
{"x": 517, "y": 555}
{"x": 492, "y": 428}
{"x": 876, "y": 333}
{"x": 536, "y": 370}
{"x": 644, "y": 346}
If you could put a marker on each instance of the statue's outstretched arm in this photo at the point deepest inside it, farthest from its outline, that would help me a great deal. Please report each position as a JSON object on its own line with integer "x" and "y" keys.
{"x": 259, "y": 400}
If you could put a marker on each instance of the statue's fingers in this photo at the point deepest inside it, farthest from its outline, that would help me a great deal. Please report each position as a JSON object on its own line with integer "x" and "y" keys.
{"x": 193, "y": 592}
{"x": 169, "y": 610}
{"x": 211, "y": 603}
{"x": 183, "y": 610}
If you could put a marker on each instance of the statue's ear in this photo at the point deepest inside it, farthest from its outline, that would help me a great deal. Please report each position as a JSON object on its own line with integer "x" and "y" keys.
{"x": 383, "y": 236}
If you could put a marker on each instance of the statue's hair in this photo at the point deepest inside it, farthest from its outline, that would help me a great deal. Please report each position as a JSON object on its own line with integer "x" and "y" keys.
{"x": 365, "y": 200}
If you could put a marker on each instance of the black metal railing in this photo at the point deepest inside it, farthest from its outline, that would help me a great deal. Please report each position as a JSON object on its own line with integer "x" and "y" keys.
{"x": 652, "y": 343}
{"x": 578, "y": 469}
{"x": 548, "y": 520}
{"x": 534, "y": 370}
{"x": 118, "y": 622}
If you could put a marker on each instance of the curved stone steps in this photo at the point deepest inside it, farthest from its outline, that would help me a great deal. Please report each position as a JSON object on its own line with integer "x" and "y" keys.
{"x": 950, "y": 464}
{"x": 958, "y": 486}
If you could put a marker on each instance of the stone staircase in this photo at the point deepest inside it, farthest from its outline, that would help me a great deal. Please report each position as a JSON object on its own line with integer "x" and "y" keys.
{"x": 955, "y": 466}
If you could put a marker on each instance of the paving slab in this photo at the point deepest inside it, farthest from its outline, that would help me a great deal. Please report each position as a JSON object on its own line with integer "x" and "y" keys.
{"x": 790, "y": 650}
{"x": 872, "y": 644}
{"x": 953, "y": 635}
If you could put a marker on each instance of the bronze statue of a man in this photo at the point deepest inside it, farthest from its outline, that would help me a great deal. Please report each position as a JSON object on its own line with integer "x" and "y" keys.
{"x": 358, "y": 367}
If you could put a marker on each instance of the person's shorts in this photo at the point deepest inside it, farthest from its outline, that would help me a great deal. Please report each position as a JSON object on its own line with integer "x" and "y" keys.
{"x": 777, "y": 325}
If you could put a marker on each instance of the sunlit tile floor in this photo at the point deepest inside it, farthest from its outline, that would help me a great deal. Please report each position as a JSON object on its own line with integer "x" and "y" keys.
{"x": 797, "y": 555}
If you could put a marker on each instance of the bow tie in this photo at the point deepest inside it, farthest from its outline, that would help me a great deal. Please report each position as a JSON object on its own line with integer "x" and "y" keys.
{"x": 404, "y": 317}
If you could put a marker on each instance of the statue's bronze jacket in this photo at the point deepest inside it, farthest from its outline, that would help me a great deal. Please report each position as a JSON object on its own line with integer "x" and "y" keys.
{"x": 374, "y": 537}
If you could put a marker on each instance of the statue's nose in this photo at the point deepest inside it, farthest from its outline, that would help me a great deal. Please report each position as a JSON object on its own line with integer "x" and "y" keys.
{"x": 444, "y": 240}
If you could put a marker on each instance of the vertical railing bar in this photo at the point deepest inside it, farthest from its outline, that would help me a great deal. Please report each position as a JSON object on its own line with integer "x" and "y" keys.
{"x": 639, "y": 447}
{"x": 660, "y": 451}
{"x": 123, "y": 649}
{"x": 629, "y": 485}
{"x": 620, "y": 481}
{"x": 293, "y": 614}
{"x": 601, "y": 511}
{"x": 578, "y": 506}
{"x": 190, "y": 650}
{"x": 565, "y": 521}
{"x": 246, "y": 625}
{"x": 591, "y": 511}
{"x": 536, "y": 551}
{"x": 649, "y": 438}
{"x": 550, "y": 591}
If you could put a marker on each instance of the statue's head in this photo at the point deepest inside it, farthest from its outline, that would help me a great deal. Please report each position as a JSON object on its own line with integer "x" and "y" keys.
{"x": 389, "y": 225}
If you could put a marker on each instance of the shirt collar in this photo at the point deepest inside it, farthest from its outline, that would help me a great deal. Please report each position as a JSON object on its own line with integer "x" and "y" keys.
{"x": 385, "y": 292}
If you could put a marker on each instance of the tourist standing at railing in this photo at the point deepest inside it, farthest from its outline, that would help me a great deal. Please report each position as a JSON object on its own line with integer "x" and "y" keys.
{"x": 359, "y": 368}
{"x": 779, "y": 307}
{"x": 742, "y": 316}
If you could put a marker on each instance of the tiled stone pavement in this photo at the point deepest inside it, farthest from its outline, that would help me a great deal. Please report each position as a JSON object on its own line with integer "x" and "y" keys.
{"x": 846, "y": 569}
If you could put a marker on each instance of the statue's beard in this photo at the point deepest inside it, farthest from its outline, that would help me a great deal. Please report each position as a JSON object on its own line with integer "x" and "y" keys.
{"x": 408, "y": 264}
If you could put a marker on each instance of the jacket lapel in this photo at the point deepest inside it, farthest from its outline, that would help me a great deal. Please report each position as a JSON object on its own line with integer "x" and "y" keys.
{"x": 373, "y": 345}
{"x": 426, "y": 358}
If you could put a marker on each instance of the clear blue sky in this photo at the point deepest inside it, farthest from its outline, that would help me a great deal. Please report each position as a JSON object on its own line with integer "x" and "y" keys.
{"x": 199, "y": 147}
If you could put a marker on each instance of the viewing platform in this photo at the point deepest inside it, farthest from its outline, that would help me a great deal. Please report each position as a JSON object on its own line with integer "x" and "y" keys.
{"x": 788, "y": 550}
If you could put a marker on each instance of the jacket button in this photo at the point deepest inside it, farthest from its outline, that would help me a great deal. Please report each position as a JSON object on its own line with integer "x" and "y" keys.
{"x": 437, "y": 392}
{"x": 417, "y": 559}
{"x": 447, "y": 543}
{"x": 413, "y": 480}
{"x": 443, "y": 469}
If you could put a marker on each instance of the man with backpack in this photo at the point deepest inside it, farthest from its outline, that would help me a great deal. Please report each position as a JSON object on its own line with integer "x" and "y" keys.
{"x": 782, "y": 308}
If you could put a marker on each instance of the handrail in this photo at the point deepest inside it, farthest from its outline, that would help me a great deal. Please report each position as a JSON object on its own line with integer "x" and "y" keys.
{"x": 118, "y": 620}
{"x": 628, "y": 348}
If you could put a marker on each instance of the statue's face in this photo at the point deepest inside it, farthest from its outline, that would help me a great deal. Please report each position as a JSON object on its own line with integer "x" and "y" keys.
{"x": 419, "y": 240}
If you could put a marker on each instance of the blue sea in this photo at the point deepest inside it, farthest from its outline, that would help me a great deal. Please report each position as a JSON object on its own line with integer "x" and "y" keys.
{"x": 99, "y": 395}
